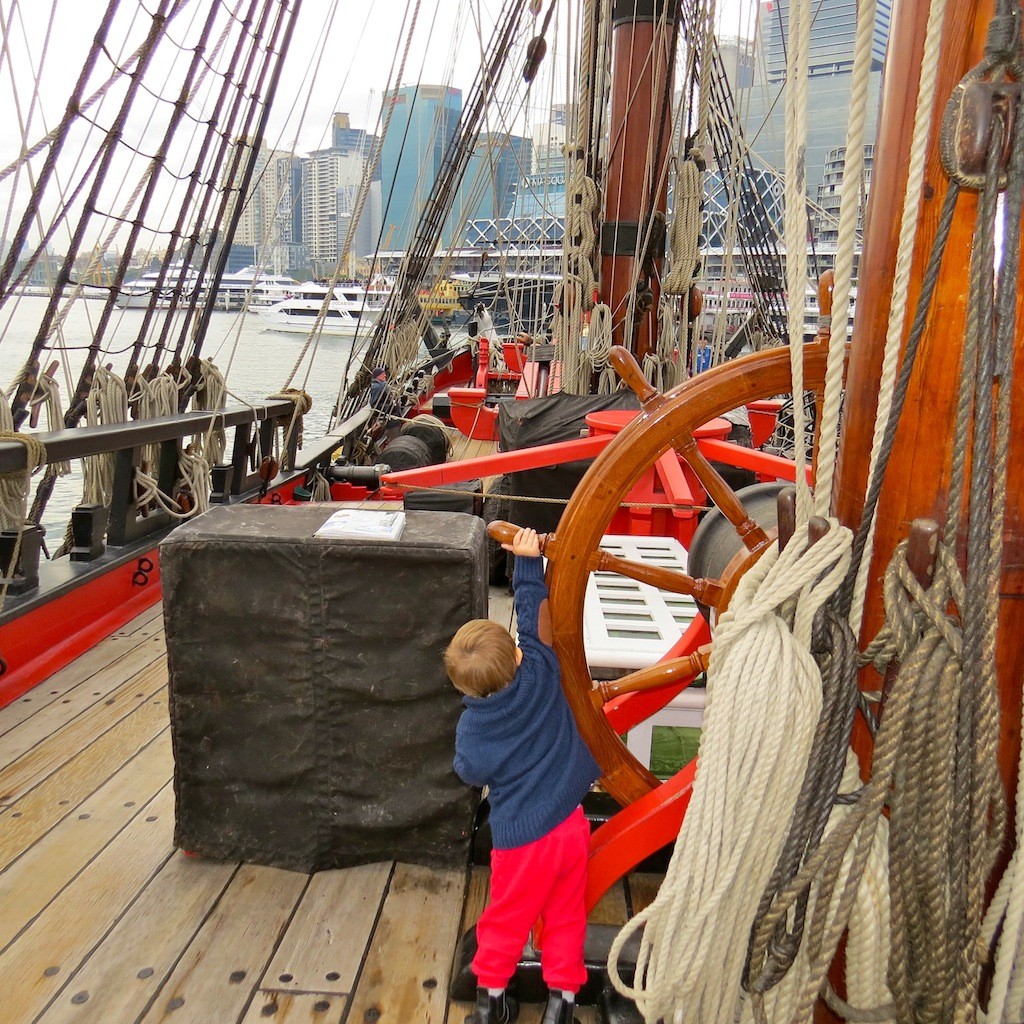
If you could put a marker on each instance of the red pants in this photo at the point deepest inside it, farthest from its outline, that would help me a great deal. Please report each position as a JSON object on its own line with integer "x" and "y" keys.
{"x": 545, "y": 879}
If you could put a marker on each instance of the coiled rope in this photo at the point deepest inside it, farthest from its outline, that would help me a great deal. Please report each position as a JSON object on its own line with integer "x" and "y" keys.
{"x": 764, "y": 699}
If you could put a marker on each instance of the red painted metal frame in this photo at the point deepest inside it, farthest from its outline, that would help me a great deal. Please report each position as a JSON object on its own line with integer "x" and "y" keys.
{"x": 636, "y": 832}
{"x": 47, "y": 638}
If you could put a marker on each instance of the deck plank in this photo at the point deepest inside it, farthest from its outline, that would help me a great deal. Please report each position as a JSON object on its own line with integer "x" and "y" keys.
{"x": 93, "y": 664}
{"x": 61, "y": 792}
{"x": 405, "y": 977}
{"x": 46, "y": 756}
{"x": 216, "y": 976}
{"x": 124, "y": 974}
{"x": 294, "y": 1008}
{"x": 328, "y": 937}
{"x": 89, "y": 694}
{"x": 35, "y": 878}
{"x": 41, "y": 962}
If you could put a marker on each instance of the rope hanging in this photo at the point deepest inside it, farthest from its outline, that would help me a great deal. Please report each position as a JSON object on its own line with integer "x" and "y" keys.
{"x": 764, "y": 697}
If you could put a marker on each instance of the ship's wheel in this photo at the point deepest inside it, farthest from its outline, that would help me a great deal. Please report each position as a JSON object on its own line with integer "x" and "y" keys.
{"x": 653, "y": 810}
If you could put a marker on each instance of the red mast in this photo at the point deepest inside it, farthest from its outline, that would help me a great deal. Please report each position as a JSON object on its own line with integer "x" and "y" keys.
{"x": 640, "y": 143}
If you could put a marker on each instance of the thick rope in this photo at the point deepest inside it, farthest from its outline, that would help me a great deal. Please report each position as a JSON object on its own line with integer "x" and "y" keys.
{"x": 796, "y": 226}
{"x": 764, "y": 699}
{"x": 849, "y": 204}
{"x": 686, "y": 225}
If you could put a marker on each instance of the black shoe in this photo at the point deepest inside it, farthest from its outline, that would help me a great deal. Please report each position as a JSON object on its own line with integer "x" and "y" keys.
{"x": 558, "y": 1010}
{"x": 500, "y": 1009}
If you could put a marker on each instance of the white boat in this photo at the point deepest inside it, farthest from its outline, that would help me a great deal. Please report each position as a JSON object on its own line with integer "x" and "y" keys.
{"x": 254, "y": 290}
{"x": 250, "y": 288}
{"x": 140, "y": 293}
{"x": 352, "y": 309}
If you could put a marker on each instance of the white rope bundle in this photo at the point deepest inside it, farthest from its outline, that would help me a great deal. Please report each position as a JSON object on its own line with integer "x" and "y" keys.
{"x": 685, "y": 234}
{"x": 764, "y": 700}
{"x": 107, "y": 403}
{"x": 152, "y": 399}
{"x": 575, "y": 295}
{"x": 211, "y": 393}
{"x": 599, "y": 336}
{"x": 50, "y": 391}
{"x": 1006, "y": 911}
{"x": 194, "y": 474}
{"x": 14, "y": 486}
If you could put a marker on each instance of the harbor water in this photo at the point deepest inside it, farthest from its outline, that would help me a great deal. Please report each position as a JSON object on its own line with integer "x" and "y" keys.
{"x": 256, "y": 362}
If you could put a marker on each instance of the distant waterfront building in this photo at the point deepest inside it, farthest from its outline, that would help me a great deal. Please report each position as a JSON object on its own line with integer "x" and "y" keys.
{"x": 423, "y": 120}
{"x": 533, "y": 212}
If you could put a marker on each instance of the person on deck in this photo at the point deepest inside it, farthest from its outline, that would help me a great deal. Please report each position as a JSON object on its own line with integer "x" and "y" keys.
{"x": 517, "y": 736}
{"x": 383, "y": 402}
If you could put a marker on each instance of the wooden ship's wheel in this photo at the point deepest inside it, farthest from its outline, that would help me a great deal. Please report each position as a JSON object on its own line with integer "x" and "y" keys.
{"x": 605, "y": 711}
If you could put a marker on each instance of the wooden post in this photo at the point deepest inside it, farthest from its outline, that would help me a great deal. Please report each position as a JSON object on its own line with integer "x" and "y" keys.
{"x": 917, "y": 482}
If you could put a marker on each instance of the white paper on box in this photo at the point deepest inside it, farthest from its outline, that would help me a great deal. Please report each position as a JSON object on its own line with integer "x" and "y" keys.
{"x": 363, "y": 524}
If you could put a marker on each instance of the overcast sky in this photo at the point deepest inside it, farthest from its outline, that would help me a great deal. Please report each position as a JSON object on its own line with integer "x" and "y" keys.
{"x": 341, "y": 59}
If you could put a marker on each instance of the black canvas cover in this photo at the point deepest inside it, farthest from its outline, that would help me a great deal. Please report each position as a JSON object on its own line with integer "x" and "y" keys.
{"x": 312, "y": 720}
{"x": 536, "y": 421}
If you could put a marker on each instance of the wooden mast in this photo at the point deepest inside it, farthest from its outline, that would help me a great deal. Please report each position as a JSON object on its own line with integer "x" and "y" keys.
{"x": 640, "y": 124}
{"x": 917, "y": 482}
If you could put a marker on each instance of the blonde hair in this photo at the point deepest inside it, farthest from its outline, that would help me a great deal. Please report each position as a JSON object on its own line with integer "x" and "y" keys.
{"x": 481, "y": 659}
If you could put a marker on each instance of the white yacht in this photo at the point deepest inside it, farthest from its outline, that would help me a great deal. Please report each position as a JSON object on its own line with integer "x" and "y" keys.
{"x": 352, "y": 309}
{"x": 250, "y": 288}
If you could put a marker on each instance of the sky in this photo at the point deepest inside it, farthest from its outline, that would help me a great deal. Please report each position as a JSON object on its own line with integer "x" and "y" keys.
{"x": 342, "y": 57}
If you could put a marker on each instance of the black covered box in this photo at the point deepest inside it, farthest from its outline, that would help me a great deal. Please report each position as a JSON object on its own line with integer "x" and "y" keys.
{"x": 312, "y": 720}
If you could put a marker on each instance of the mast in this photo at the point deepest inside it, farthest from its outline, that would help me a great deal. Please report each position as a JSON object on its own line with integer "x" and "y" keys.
{"x": 643, "y": 33}
{"x": 918, "y": 478}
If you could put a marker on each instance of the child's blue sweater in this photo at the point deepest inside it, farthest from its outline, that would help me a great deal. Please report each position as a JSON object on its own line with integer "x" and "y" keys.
{"x": 522, "y": 741}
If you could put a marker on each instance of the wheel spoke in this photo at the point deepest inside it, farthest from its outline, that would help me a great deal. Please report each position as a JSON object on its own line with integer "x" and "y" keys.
{"x": 665, "y": 673}
{"x": 753, "y": 537}
{"x": 708, "y": 592}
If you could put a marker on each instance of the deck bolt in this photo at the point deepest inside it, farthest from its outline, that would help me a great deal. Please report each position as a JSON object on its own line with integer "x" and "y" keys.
{"x": 82, "y": 817}
{"x": 152, "y": 817}
{"x": 51, "y": 971}
{"x": 175, "y": 1003}
{"x": 430, "y": 983}
{"x": 371, "y": 1015}
{"x": 79, "y": 997}
{"x": 236, "y": 976}
{"x": 286, "y": 977}
{"x": 269, "y": 1010}
{"x": 332, "y": 975}
{"x": 146, "y": 972}
{"x": 321, "y": 1006}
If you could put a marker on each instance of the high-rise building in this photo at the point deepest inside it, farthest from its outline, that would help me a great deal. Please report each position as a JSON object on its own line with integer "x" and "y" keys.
{"x": 829, "y": 86}
{"x": 424, "y": 118}
{"x": 331, "y": 180}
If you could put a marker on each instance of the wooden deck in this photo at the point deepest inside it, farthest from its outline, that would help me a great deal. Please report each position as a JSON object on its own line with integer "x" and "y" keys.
{"x": 103, "y": 920}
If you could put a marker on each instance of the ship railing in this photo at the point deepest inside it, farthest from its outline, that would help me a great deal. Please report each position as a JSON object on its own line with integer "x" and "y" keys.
{"x": 102, "y": 536}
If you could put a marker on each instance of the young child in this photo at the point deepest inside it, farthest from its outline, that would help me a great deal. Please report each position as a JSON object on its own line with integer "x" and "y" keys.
{"x": 518, "y": 737}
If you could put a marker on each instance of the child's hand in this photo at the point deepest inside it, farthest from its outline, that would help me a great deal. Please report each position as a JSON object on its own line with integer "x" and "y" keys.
{"x": 525, "y": 543}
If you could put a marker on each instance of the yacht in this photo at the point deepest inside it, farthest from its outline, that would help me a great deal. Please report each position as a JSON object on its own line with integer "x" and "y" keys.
{"x": 352, "y": 308}
{"x": 249, "y": 288}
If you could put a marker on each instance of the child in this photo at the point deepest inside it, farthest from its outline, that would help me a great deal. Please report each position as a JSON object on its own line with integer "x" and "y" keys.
{"x": 518, "y": 737}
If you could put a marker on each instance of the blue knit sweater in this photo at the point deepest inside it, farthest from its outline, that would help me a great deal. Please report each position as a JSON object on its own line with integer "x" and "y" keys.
{"x": 522, "y": 741}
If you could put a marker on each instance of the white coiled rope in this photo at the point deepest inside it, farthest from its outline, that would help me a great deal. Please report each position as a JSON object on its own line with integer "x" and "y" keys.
{"x": 106, "y": 403}
{"x": 764, "y": 699}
